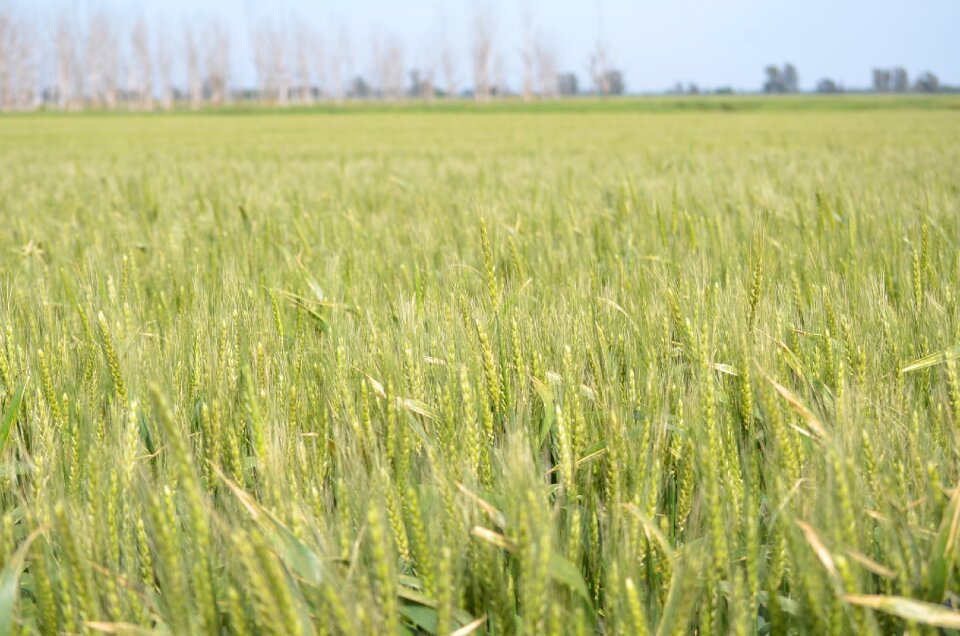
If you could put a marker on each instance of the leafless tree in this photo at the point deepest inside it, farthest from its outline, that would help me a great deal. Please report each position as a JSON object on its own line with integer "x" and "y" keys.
{"x": 281, "y": 66}
{"x": 102, "y": 62}
{"x": 498, "y": 84}
{"x": 217, "y": 63}
{"x": 599, "y": 69}
{"x": 98, "y": 64}
{"x": 482, "y": 53}
{"x": 261, "y": 62}
{"x": 546, "y": 64}
{"x": 7, "y": 41}
{"x": 9, "y": 51}
{"x": 318, "y": 61}
{"x": 307, "y": 57}
{"x": 427, "y": 88}
{"x": 18, "y": 62}
{"x": 270, "y": 59}
{"x": 448, "y": 68}
{"x": 341, "y": 66}
{"x": 165, "y": 68}
{"x": 142, "y": 75}
{"x": 528, "y": 56}
{"x": 424, "y": 78}
{"x": 67, "y": 67}
{"x": 191, "y": 51}
{"x": 388, "y": 66}
{"x": 27, "y": 68}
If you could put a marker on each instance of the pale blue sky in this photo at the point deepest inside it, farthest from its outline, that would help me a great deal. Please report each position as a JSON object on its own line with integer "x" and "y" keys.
{"x": 655, "y": 42}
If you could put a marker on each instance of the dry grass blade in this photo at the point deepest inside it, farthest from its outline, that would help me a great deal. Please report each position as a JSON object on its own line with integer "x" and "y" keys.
{"x": 877, "y": 568}
{"x": 299, "y": 557}
{"x": 819, "y": 549}
{"x": 495, "y": 515}
{"x": 813, "y": 422}
{"x": 494, "y": 538}
{"x": 726, "y": 369}
{"x": 652, "y": 530}
{"x": 950, "y": 353}
{"x": 469, "y": 628}
{"x": 907, "y": 609}
{"x": 117, "y": 628}
{"x": 414, "y": 406}
{"x": 614, "y": 305}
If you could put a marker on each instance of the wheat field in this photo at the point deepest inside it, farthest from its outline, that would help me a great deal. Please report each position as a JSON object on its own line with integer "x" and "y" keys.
{"x": 583, "y": 370}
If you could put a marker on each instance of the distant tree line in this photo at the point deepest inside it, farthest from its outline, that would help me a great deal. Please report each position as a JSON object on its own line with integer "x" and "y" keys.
{"x": 895, "y": 80}
{"x": 102, "y": 63}
{"x": 786, "y": 79}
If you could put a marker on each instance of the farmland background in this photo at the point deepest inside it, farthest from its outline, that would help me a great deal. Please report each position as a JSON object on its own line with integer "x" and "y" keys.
{"x": 655, "y": 365}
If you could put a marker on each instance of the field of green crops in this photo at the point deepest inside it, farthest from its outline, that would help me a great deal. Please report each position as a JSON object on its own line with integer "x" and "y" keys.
{"x": 595, "y": 370}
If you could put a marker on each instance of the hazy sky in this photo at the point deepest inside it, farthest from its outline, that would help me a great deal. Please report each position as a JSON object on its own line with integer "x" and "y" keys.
{"x": 655, "y": 42}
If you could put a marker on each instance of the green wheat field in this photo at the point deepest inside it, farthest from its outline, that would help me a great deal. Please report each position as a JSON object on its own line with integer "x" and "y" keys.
{"x": 645, "y": 367}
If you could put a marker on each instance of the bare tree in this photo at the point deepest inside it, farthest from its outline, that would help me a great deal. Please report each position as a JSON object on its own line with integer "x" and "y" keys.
{"x": 448, "y": 68}
{"x": 528, "y": 55}
{"x": 8, "y": 36}
{"x": 482, "y": 53}
{"x": 191, "y": 52}
{"x": 498, "y": 84}
{"x": 270, "y": 59}
{"x": 68, "y": 72}
{"x": 341, "y": 66}
{"x": 165, "y": 68}
{"x": 281, "y": 66}
{"x": 306, "y": 57}
{"x": 142, "y": 75}
{"x": 27, "y": 69}
{"x": 318, "y": 55}
{"x": 424, "y": 80}
{"x": 18, "y": 63}
{"x": 546, "y": 65}
{"x": 599, "y": 69}
{"x": 428, "y": 83}
{"x": 261, "y": 63}
{"x": 9, "y": 54}
{"x": 102, "y": 62}
{"x": 217, "y": 63}
{"x": 388, "y": 67}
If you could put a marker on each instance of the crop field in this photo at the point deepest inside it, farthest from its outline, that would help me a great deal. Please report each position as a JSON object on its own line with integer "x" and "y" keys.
{"x": 596, "y": 369}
